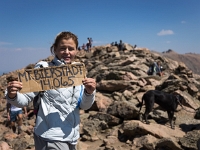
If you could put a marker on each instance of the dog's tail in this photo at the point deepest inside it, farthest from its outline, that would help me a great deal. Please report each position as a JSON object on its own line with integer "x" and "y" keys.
{"x": 140, "y": 104}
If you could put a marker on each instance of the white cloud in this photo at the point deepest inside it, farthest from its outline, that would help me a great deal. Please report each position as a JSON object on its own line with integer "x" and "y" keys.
{"x": 183, "y": 22}
{"x": 4, "y": 43}
{"x": 18, "y": 49}
{"x": 165, "y": 32}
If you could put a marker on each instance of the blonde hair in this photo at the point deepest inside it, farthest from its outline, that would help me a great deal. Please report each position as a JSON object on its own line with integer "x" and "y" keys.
{"x": 63, "y": 35}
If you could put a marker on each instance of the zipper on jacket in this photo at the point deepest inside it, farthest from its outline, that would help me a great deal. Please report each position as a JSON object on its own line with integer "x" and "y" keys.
{"x": 73, "y": 114}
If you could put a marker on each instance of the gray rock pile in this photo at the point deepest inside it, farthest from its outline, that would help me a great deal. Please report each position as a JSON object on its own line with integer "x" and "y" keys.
{"x": 112, "y": 123}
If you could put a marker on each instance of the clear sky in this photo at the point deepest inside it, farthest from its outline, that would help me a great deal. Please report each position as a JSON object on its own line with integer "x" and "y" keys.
{"x": 28, "y": 27}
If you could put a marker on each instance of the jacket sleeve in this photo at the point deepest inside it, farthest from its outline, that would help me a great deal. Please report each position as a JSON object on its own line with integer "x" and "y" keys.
{"x": 21, "y": 100}
{"x": 87, "y": 100}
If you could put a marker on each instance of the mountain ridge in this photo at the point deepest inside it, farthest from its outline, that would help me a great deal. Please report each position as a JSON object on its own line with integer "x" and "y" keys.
{"x": 191, "y": 60}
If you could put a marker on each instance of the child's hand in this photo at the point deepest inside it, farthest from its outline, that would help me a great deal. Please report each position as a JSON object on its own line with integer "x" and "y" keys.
{"x": 13, "y": 87}
{"x": 90, "y": 85}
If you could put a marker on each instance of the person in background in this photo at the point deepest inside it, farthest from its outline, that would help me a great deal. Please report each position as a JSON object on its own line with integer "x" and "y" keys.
{"x": 79, "y": 48}
{"x": 158, "y": 69}
{"x": 89, "y": 44}
{"x": 116, "y": 43}
{"x": 155, "y": 69}
{"x": 112, "y": 44}
{"x": 83, "y": 47}
{"x": 121, "y": 45}
{"x": 15, "y": 114}
{"x": 58, "y": 118}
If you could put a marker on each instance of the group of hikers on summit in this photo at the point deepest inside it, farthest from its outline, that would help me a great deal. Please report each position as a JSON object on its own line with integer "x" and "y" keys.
{"x": 86, "y": 47}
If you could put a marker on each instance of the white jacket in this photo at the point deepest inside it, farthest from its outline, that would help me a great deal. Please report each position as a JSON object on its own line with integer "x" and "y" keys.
{"x": 58, "y": 116}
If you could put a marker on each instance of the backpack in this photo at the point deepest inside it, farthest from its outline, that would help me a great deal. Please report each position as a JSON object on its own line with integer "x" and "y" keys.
{"x": 36, "y": 102}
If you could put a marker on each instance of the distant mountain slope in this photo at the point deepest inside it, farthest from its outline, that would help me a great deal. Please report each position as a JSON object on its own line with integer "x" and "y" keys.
{"x": 191, "y": 60}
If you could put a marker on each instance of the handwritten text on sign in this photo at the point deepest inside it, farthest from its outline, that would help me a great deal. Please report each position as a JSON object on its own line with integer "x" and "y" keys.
{"x": 51, "y": 77}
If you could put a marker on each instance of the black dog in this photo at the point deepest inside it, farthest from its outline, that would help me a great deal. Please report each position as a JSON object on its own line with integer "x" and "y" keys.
{"x": 169, "y": 103}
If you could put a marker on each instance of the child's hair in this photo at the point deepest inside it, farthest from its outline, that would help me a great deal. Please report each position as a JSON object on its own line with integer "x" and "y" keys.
{"x": 64, "y": 35}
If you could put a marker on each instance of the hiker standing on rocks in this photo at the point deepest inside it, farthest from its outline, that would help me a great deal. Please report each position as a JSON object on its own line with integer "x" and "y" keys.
{"x": 121, "y": 45}
{"x": 14, "y": 114}
{"x": 155, "y": 69}
{"x": 58, "y": 118}
{"x": 89, "y": 44}
{"x": 84, "y": 47}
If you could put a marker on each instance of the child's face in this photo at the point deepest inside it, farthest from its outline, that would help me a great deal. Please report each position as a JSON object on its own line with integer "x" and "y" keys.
{"x": 66, "y": 50}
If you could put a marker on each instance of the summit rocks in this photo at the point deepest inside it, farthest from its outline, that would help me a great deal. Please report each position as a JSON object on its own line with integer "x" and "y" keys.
{"x": 112, "y": 123}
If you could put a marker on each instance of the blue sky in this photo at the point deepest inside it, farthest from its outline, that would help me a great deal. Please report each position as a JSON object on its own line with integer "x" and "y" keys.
{"x": 28, "y": 27}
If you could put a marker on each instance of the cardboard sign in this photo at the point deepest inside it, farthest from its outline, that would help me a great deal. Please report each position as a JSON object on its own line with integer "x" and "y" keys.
{"x": 54, "y": 77}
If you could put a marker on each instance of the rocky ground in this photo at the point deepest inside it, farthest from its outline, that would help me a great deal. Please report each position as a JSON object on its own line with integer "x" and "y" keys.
{"x": 112, "y": 123}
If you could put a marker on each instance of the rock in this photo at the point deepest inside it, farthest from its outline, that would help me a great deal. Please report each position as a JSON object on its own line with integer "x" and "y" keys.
{"x": 4, "y": 146}
{"x": 190, "y": 140}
